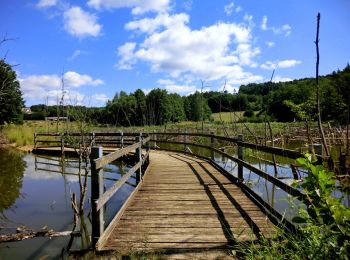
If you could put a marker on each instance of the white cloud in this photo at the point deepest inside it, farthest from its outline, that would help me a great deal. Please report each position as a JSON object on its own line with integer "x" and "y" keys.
{"x": 138, "y": 6}
{"x": 288, "y": 63}
{"x": 270, "y": 44}
{"x": 238, "y": 9}
{"x": 81, "y": 24}
{"x": 283, "y": 64}
{"x": 171, "y": 46}
{"x": 263, "y": 25}
{"x": 99, "y": 98}
{"x": 149, "y": 25}
{"x": 229, "y": 8}
{"x": 229, "y": 88}
{"x": 285, "y": 29}
{"x": 42, "y": 87}
{"x": 46, "y": 3}
{"x": 74, "y": 79}
{"x": 76, "y": 54}
{"x": 172, "y": 87}
{"x": 281, "y": 79}
{"x": 126, "y": 52}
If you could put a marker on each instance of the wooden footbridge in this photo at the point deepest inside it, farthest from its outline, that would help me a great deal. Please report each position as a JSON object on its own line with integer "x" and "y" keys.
{"x": 184, "y": 199}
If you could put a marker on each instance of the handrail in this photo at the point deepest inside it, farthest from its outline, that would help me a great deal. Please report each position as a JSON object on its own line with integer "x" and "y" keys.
{"x": 99, "y": 197}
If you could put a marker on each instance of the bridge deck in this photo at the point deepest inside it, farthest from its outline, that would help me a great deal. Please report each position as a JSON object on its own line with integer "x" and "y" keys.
{"x": 184, "y": 203}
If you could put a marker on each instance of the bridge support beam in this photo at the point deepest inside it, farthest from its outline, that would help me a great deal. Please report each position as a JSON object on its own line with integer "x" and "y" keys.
{"x": 97, "y": 218}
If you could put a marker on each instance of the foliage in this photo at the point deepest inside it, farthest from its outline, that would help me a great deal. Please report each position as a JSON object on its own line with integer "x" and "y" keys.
{"x": 11, "y": 102}
{"x": 324, "y": 226}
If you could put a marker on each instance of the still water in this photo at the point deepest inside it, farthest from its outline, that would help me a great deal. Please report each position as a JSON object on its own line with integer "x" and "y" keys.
{"x": 36, "y": 192}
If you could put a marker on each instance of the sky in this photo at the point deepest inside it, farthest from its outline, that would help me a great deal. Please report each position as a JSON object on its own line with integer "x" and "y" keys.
{"x": 93, "y": 49}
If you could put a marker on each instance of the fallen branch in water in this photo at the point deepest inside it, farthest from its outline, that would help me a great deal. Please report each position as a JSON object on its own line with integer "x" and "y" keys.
{"x": 26, "y": 233}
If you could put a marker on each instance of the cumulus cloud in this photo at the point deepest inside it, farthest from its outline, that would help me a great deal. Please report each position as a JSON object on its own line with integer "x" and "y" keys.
{"x": 46, "y": 3}
{"x": 285, "y": 29}
{"x": 80, "y": 23}
{"x": 126, "y": 52}
{"x": 138, "y": 6}
{"x": 150, "y": 25}
{"x": 42, "y": 87}
{"x": 171, "y": 46}
{"x": 172, "y": 87}
{"x": 283, "y": 64}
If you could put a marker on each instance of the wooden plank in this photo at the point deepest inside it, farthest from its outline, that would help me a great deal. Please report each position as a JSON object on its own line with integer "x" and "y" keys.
{"x": 99, "y": 163}
{"x": 101, "y": 242}
{"x": 182, "y": 207}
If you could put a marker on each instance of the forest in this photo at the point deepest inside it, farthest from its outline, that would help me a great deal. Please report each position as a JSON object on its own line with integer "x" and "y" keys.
{"x": 278, "y": 101}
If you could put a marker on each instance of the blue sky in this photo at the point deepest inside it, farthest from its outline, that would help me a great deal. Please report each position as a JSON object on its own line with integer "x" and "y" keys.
{"x": 100, "y": 47}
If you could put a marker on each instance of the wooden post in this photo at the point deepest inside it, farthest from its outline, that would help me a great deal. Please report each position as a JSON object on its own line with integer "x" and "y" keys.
{"x": 155, "y": 139}
{"x": 93, "y": 140}
{"x": 121, "y": 139}
{"x": 148, "y": 148}
{"x": 212, "y": 145}
{"x": 96, "y": 193}
{"x": 62, "y": 144}
{"x": 138, "y": 158}
{"x": 35, "y": 139}
{"x": 241, "y": 157}
{"x": 185, "y": 140}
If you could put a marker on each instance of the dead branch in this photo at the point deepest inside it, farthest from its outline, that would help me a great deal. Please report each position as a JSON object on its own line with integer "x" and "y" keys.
{"x": 318, "y": 88}
{"x": 26, "y": 233}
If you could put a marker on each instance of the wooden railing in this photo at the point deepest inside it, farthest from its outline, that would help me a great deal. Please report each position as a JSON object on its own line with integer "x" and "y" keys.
{"x": 99, "y": 197}
{"x": 158, "y": 138}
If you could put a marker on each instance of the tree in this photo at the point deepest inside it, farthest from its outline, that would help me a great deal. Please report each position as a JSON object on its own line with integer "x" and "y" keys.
{"x": 11, "y": 101}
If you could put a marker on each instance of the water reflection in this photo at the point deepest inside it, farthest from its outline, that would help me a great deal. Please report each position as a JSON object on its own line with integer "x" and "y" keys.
{"x": 11, "y": 178}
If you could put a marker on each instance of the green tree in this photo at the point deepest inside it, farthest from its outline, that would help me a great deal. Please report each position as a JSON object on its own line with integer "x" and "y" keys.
{"x": 11, "y": 101}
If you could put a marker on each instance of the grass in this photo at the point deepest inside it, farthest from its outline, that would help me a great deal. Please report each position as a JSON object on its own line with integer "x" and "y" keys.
{"x": 22, "y": 135}
{"x": 227, "y": 117}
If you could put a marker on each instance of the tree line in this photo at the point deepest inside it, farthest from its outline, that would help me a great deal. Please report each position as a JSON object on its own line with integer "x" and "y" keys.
{"x": 281, "y": 101}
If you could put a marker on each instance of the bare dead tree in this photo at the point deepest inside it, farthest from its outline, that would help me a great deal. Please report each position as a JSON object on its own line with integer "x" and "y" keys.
{"x": 318, "y": 87}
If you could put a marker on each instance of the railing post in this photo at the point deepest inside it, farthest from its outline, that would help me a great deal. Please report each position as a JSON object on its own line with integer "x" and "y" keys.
{"x": 96, "y": 193}
{"x": 93, "y": 140}
{"x": 138, "y": 158}
{"x": 240, "y": 153}
{"x": 121, "y": 140}
{"x": 212, "y": 145}
{"x": 185, "y": 141}
{"x": 148, "y": 148}
{"x": 35, "y": 139}
{"x": 155, "y": 139}
{"x": 62, "y": 144}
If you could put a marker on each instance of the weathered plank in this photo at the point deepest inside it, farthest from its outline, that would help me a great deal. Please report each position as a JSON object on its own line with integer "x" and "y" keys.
{"x": 185, "y": 203}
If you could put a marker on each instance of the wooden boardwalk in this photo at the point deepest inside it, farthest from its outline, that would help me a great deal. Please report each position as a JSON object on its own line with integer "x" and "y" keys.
{"x": 185, "y": 204}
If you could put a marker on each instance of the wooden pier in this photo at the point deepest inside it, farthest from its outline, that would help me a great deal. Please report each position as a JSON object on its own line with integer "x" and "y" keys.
{"x": 184, "y": 203}
{"x": 184, "y": 200}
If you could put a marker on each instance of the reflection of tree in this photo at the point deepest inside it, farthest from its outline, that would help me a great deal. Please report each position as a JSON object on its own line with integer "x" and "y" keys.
{"x": 11, "y": 176}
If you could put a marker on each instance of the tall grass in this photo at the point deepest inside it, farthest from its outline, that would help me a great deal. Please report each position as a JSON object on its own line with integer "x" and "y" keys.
{"x": 20, "y": 135}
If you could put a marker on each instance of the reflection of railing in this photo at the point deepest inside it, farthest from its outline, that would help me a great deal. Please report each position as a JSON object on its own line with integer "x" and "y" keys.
{"x": 98, "y": 197}
{"x": 163, "y": 138}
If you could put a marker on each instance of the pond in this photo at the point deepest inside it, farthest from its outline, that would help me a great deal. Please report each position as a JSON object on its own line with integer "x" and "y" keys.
{"x": 36, "y": 193}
